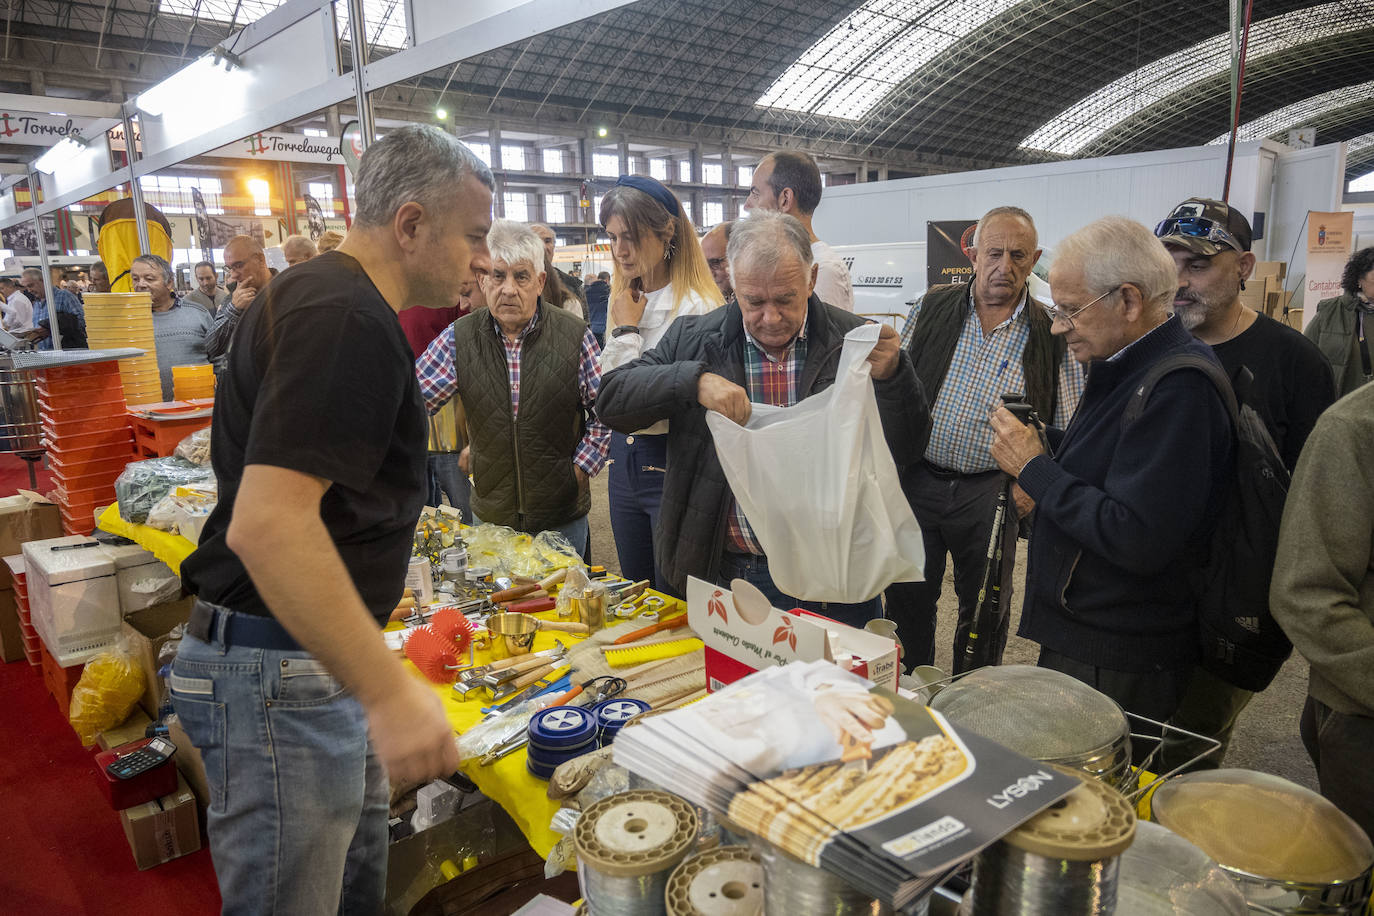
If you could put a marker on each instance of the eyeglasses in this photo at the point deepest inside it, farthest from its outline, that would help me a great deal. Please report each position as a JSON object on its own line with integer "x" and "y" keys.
{"x": 1197, "y": 227}
{"x": 1056, "y": 313}
{"x": 236, "y": 266}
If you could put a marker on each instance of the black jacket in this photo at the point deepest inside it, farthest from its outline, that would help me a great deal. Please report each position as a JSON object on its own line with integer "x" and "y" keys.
{"x": 662, "y": 384}
{"x": 1123, "y": 514}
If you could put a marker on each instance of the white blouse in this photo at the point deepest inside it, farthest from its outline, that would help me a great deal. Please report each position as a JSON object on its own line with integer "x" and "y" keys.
{"x": 658, "y": 317}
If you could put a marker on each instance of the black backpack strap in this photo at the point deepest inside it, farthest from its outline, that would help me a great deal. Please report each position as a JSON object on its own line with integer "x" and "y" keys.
{"x": 1197, "y": 361}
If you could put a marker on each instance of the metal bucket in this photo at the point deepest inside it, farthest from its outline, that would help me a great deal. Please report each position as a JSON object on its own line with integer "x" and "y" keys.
{"x": 20, "y": 429}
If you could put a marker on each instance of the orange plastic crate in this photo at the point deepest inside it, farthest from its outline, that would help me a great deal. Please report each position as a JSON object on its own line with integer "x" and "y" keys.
{"x": 78, "y": 464}
{"x": 72, "y": 410}
{"x": 87, "y": 370}
{"x": 102, "y": 387}
{"x": 95, "y": 447}
{"x": 158, "y": 438}
{"x": 60, "y": 429}
{"x": 61, "y": 681}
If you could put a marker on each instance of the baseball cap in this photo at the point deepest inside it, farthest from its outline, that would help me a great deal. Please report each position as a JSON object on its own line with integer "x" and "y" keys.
{"x": 1205, "y": 227}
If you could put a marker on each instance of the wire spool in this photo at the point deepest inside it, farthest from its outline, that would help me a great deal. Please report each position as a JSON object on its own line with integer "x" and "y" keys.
{"x": 1044, "y": 714}
{"x": 792, "y": 888}
{"x": 627, "y": 845}
{"x": 727, "y": 881}
{"x": 1064, "y": 861}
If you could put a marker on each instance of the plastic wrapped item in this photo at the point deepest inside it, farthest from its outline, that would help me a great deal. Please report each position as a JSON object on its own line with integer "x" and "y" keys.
{"x": 195, "y": 448}
{"x": 144, "y": 483}
{"x": 508, "y": 552}
{"x": 110, "y": 685}
{"x": 563, "y": 857}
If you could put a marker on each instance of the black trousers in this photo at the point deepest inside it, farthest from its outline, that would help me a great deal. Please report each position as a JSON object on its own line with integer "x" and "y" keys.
{"x": 1341, "y": 746}
{"x": 955, "y": 513}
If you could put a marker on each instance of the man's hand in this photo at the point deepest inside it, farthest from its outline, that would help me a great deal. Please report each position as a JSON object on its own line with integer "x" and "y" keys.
{"x": 715, "y": 392}
{"x": 628, "y": 308}
{"x": 465, "y": 459}
{"x": 412, "y": 736}
{"x": 1024, "y": 504}
{"x": 243, "y": 296}
{"x": 1014, "y": 443}
{"x": 887, "y": 353}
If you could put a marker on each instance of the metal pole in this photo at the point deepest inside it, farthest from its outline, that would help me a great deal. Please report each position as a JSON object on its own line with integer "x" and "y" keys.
{"x": 357, "y": 32}
{"x": 42, "y": 244}
{"x": 1235, "y": 115}
{"x": 135, "y": 189}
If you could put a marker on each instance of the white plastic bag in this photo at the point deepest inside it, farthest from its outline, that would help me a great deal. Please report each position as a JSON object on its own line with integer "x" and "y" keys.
{"x": 819, "y": 487}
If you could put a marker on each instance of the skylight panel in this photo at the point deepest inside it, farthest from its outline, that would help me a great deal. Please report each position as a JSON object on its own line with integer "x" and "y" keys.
{"x": 1297, "y": 114}
{"x": 386, "y": 21}
{"x": 872, "y": 51}
{"x": 1075, "y": 128}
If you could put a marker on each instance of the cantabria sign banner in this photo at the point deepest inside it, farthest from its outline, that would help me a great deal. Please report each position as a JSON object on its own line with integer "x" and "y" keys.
{"x": 1328, "y": 248}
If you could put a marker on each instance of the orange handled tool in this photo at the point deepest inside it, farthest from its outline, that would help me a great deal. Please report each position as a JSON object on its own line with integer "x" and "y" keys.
{"x": 513, "y": 593}
{"x": 533, "y": 606}
{"x": 671, "y": 623}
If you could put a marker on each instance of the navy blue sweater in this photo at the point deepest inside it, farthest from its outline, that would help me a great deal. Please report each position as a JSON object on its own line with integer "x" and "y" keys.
{"x": 1122, "y": 515}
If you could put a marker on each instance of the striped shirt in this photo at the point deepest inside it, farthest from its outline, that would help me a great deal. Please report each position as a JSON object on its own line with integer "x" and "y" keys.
{"x": 768, "y": 381}
{"x": 438, "y": 374}
{"x": 984, "y": 367}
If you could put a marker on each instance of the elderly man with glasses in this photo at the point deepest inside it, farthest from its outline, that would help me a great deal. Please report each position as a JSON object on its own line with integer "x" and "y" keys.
{"x": 1123, "y": 509}
{"x": 528, "y": 373}
{"x": 245, "y": 264}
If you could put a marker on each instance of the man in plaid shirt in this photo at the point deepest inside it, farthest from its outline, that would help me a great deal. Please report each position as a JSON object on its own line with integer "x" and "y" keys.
{"x": 777, "y": 344}
{"x": 528, "y": 374}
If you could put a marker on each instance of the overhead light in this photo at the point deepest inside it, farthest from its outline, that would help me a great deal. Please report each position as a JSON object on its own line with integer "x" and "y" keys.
{"x": 601, "y": 131}
{"x": 441, "y": 114}
{"x": 59, "y": 155}
{"x": 190, "y": 85}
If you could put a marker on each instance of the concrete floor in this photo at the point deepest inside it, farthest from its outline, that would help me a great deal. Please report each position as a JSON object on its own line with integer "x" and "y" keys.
{"x": 1266, "y": 737}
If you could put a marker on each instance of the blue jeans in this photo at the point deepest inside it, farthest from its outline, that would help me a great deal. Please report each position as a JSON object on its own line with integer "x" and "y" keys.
{"x": 635, "y": 488}
{"x": 576, "y": 531}
{"x": 754, "y": 570}
{"x": 447, "y": 479}
{"x": 298, "y": 801}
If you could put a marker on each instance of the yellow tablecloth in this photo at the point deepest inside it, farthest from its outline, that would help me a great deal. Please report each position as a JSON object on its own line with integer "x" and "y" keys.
{"x": 169, "y": 548}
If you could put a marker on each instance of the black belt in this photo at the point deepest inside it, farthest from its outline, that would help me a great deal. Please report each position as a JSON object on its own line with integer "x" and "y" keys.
{"x": 948, "y": 474}
{"x": 248, "y": 630}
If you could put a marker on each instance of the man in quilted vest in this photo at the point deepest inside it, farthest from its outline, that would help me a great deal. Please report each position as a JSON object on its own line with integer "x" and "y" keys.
{"x": 528, "y": 373}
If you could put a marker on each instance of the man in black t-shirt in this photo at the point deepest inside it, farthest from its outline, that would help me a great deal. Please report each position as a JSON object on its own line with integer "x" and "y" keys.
{"x": 1210, "y": 243}
{"x": 319, "y": 446}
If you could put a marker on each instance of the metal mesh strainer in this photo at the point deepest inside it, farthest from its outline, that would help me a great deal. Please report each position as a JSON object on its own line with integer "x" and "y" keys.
{"x": 1044, "y": 714}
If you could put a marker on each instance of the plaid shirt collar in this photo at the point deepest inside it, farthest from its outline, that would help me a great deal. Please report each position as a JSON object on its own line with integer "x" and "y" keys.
{"x": 1016, "y": 312}
{"x": 501, "y": 335}
{"x": 791, "y": 348}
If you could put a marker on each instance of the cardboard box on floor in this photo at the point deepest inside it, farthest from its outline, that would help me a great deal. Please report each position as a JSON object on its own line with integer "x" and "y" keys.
{"x": 24, "y": 517}
{"x": 737, "y": 646}
{"x": 131, "y": 729}
{"x": 145, "y": 632}
{"x": 11, "y": 639}
{"x": 160, "y": 831}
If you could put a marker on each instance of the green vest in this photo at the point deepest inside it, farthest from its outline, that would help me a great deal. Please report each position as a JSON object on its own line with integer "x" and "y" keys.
{"x": 522, "y": 467}
{"x": 943, "y": 312}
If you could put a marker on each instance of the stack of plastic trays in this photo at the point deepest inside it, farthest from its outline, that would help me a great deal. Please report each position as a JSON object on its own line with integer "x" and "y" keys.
{"x": 126, "y": 320}
{"x": 193, "y": 382}
{"x": 32, "y": 641}
{"x": 87, "y": 435}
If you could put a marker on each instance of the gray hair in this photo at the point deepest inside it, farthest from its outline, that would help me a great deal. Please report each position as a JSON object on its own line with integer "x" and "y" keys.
{"x": 1116, "y": 250}
{"x": 299, "y": 242}
{"x": 32, "y": 272}
{"x": 419, "y": 163}
{"x": 159, "y": 262}
{"x": 514, "y": 242}
{"x": 1015, "y": 212}
{"x": 767, "y": 235}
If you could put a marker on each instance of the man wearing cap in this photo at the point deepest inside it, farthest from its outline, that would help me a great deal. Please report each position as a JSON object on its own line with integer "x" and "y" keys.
{"x": 1292, "y": 384}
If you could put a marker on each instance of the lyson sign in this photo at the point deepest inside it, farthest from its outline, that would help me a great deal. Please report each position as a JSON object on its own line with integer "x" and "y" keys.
{"x": 37, "y": 130}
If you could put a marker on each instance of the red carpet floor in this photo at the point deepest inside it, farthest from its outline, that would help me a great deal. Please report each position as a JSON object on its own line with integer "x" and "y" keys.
{"x": 64, "y": 848}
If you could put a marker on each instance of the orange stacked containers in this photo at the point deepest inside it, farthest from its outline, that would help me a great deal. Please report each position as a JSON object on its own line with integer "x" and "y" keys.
{"x": 87, "y": 435}
{"x": 33, "y": 643}
{"x": 115, "y": 320}
{"x": 159, "y": 428}
{"x": 193, "y": 382}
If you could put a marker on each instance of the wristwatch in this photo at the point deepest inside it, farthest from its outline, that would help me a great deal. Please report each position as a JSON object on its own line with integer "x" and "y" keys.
{"x": 625, "y": 329}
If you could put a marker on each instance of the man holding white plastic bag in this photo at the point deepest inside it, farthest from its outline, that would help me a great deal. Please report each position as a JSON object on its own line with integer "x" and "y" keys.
{"x": 778, "y": 344}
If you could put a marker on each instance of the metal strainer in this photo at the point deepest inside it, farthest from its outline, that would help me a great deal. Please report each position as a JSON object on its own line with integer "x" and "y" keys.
{"x": 1045, "y": 715}
{"x": 1162, "y": 874}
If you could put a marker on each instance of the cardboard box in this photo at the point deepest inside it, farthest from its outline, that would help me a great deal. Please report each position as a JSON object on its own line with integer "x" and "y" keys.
{"x": 736, "y": 646}
{"x": 145, "y": 632}
{"x": 160, "y": 831}
{"x": 131, "y": 729}
{"x": 26, "y": 517}
{"x": 11, "y": 640}
{"x": 189, "y": 762}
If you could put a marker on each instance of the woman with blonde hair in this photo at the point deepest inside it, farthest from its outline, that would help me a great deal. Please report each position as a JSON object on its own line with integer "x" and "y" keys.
{"x": 660, "y": 275}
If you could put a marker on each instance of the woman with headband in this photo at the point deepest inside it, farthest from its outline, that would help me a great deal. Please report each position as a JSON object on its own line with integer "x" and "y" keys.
{"x": 660, "y": 274}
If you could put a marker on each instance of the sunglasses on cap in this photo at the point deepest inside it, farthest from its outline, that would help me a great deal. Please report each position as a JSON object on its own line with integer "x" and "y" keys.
{"x": 1197, "y": 227}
